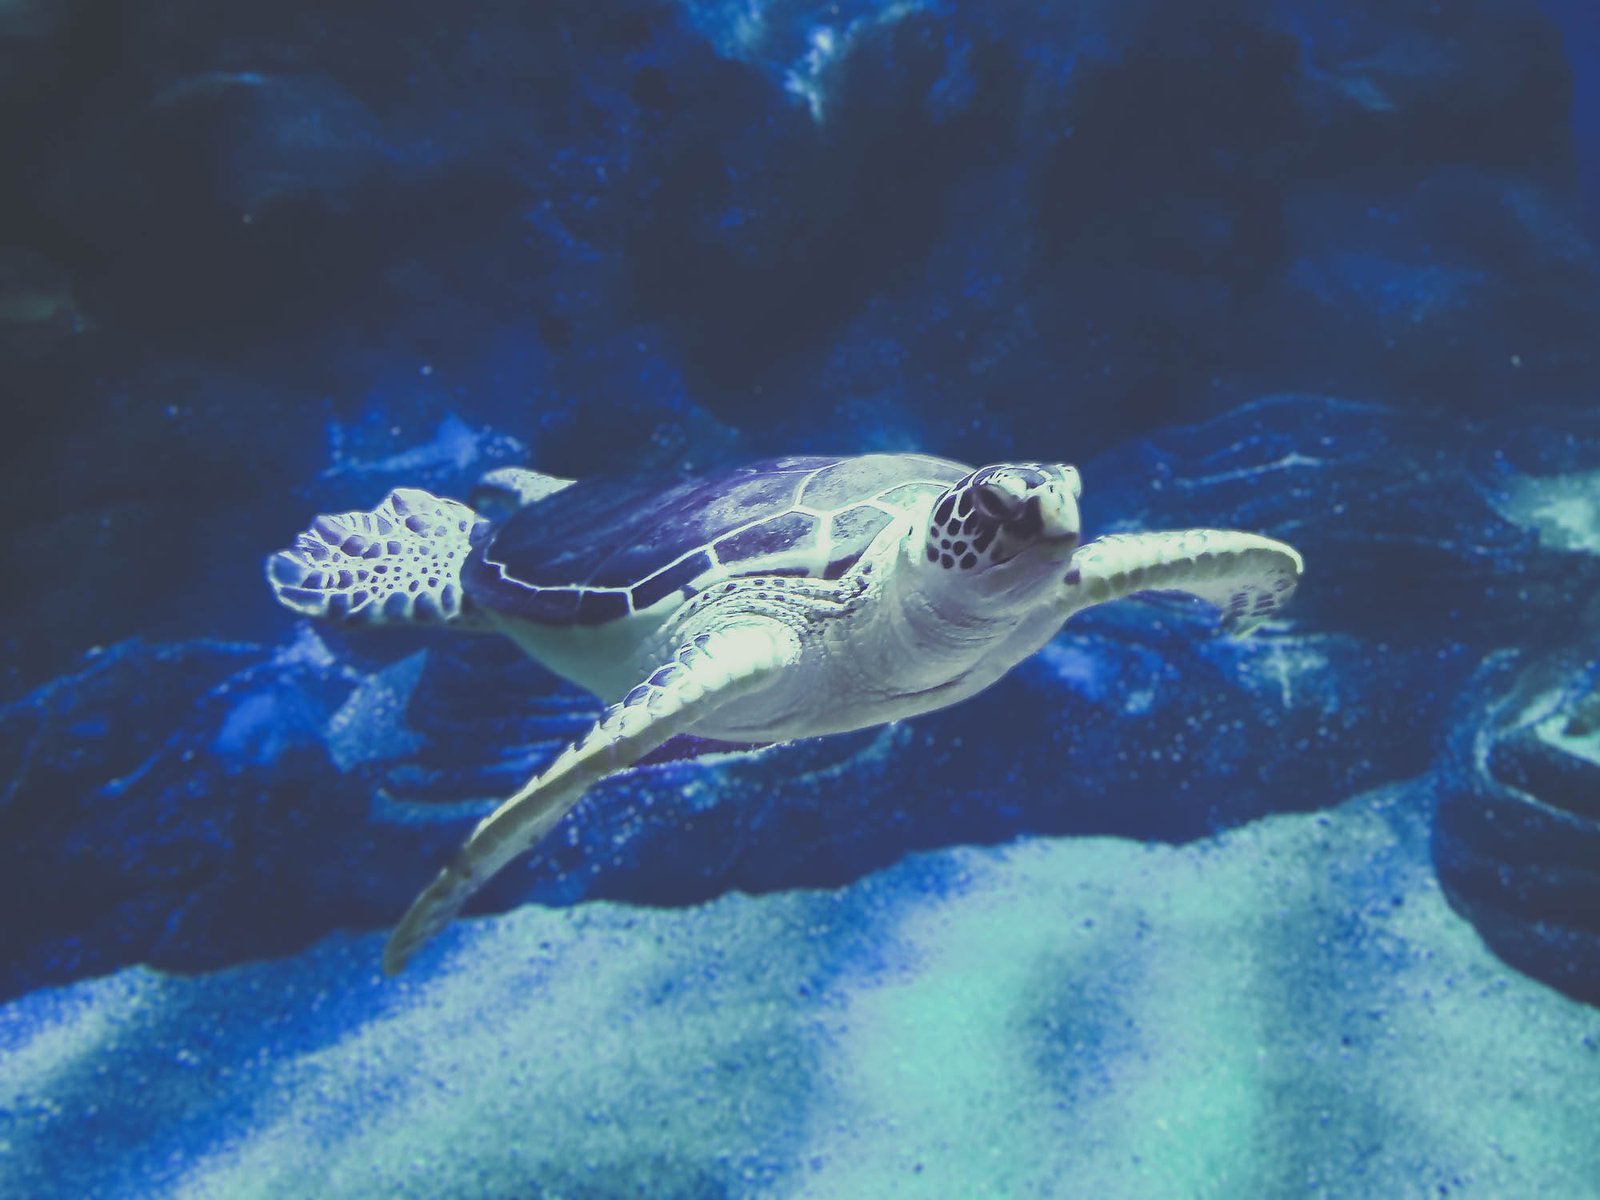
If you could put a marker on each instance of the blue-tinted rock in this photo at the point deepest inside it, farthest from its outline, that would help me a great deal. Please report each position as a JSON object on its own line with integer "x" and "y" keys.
{"x": 1517, "y": 831}
{"x": 341, "y": 769}
{"x": 667, "y": 234}
{"x": 1124, "y": 185}
{"x": 323, "y": 251}
{"x": 152, "y": 803}
{"x": 1411, "y": 535}
{"x": 145, "y": 512}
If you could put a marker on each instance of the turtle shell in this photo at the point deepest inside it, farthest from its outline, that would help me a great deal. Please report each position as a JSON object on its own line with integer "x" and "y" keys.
{"x": 603, "y": 549}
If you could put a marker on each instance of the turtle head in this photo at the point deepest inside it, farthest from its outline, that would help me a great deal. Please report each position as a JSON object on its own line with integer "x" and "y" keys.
{"x": 1006, "y": 527}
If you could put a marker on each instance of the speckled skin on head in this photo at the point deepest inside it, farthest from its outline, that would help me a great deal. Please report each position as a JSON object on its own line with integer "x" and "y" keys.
{"x": 785, "y": 599}
{"x": 993, "y": 514}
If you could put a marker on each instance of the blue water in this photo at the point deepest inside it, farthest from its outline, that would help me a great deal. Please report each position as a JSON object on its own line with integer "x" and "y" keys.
{"x": 1165, "y": 913}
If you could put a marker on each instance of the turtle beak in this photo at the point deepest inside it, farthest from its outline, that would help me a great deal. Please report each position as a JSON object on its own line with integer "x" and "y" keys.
{"x": 1046, "y": 518}
{"x": 1050, "y": 513}
{"x": 1058, "y": 514}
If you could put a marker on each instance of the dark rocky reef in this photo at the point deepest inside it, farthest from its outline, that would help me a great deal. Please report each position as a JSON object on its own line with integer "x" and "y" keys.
{"x": 1517, "y": 833}
{"x": 653, "y": 233}
{"x": 163, "y": 794}
{"x": 261, "y": 262}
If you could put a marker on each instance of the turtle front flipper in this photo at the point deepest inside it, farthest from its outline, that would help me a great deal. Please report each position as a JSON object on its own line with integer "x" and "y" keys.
{"x": 398, "y": 564}
{"x": 710, "y": 672}
{"x": 1248, "y": 577}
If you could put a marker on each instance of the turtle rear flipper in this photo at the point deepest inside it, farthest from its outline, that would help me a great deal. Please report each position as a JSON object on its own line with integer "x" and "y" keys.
{"x": 399, "y": 564}
{"x": 506, "y": 489}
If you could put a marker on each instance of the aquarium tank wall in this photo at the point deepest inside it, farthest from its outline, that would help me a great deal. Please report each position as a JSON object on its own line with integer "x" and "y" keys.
{"x": 1199, "y": 898}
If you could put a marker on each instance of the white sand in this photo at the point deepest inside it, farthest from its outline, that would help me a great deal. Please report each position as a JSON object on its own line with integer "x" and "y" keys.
{"x": 1289, "y": 1010}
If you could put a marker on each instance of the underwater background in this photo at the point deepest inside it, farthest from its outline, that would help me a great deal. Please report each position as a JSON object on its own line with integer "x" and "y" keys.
{"x": 1314, "y": 912}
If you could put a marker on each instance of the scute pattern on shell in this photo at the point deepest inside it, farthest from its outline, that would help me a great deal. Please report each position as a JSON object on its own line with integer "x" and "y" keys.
{"x": 604, "y": 548}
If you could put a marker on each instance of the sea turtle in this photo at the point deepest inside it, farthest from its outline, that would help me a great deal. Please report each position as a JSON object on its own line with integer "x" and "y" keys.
{"x": 778, "y": 600}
